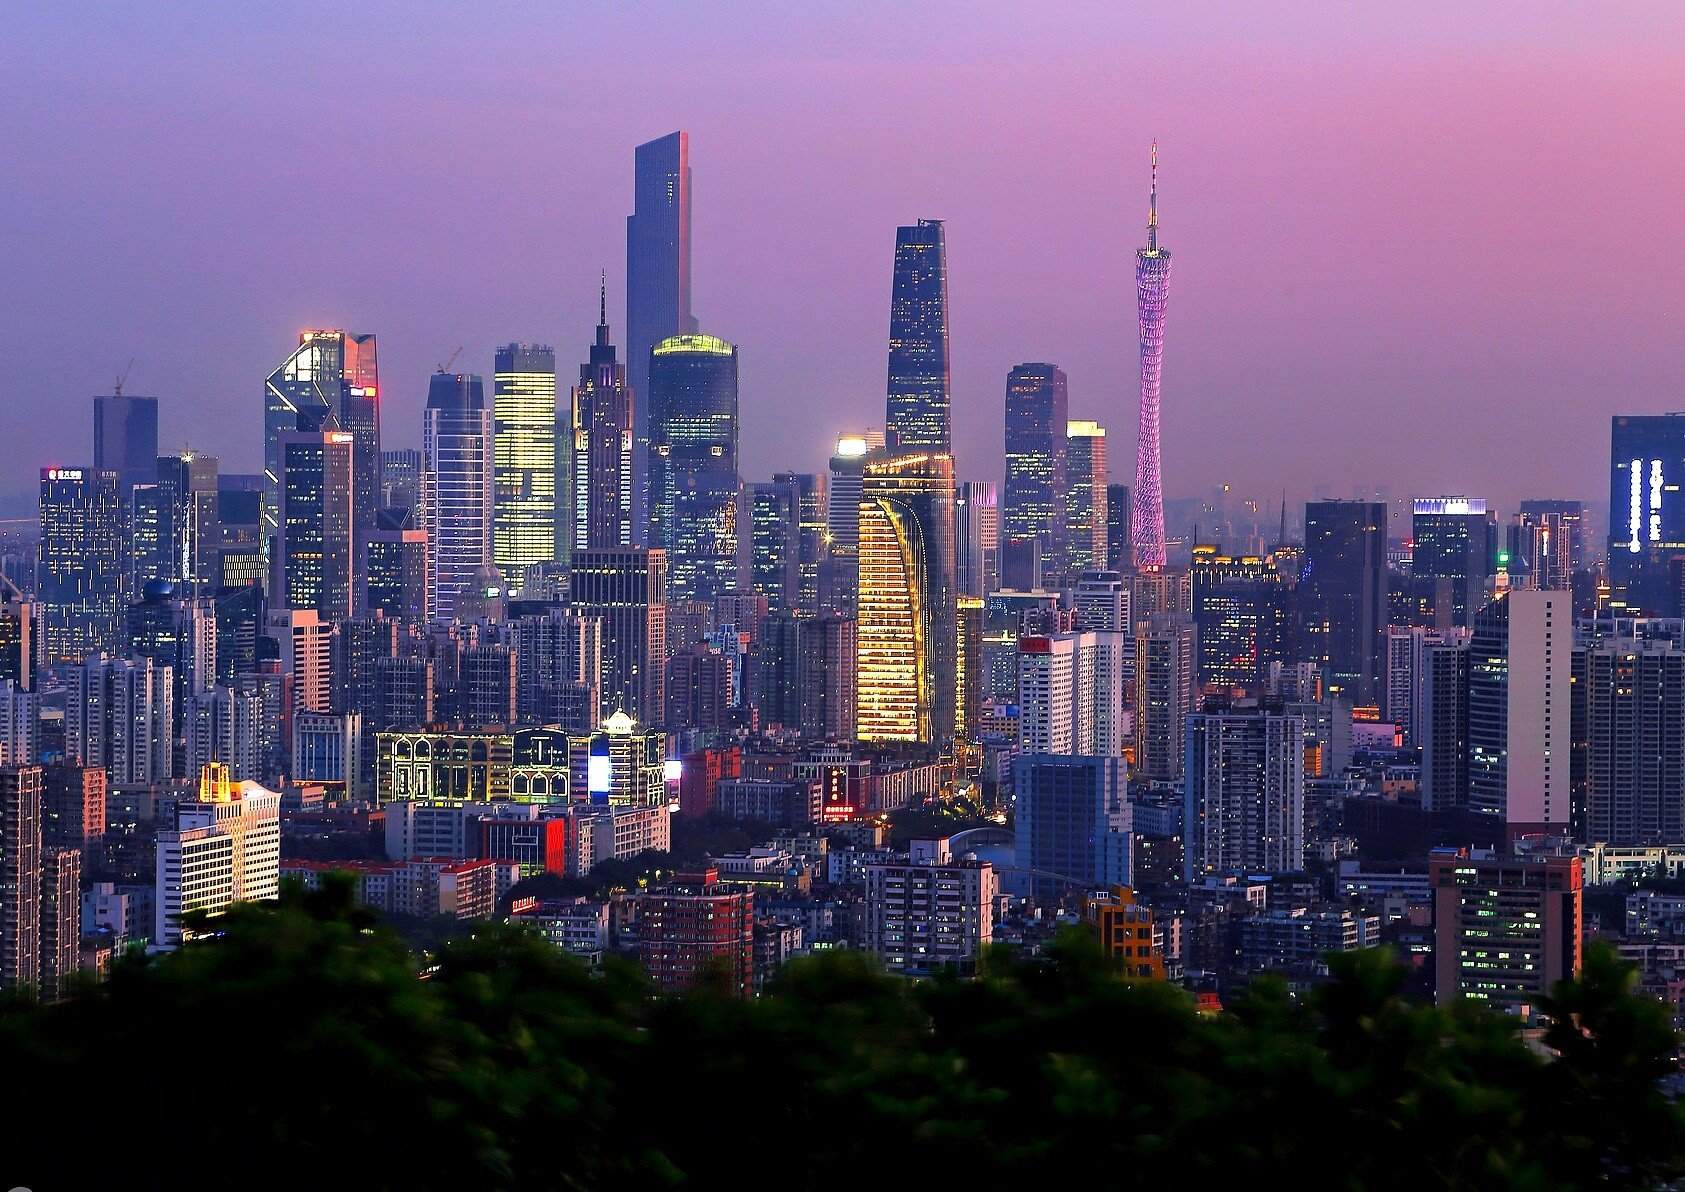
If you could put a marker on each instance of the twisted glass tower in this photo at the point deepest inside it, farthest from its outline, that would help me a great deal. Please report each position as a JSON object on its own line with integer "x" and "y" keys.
{"x": 1152, "y": 285}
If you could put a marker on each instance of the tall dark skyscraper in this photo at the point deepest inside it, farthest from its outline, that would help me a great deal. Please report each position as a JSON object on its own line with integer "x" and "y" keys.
{"x": 329, "y": 383}
{"x": 457, "y": 487}
{"x": 657, "y": 286}
{"x": 1646, "y": 504}
{"x": 1033, "y": 499}
{"x": 1117, "y": 527}
{"x": 693, "y": 463}
{"x": 126, "y": 439}
{"x": 313, "y": 556}
{"x": 1455, "y": 553}
{"x": 1343, "y": 595}
{"x": 602, "y": 447}
{"x": 918, "y": 408}
{"x": 626, "y": 589}
{"x": 82, "y": 579}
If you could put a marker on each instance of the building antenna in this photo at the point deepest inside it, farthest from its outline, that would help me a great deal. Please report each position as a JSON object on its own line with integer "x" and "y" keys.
{"x": 1152, "y": 205}
{"x": 1281, "y": 534}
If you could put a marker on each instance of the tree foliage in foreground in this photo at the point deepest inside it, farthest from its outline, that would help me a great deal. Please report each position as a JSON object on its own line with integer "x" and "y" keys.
{"x": 301, "y": 1048}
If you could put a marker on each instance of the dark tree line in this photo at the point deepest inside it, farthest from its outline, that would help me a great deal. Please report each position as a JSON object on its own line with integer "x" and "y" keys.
{"x": 300, "y": 1049}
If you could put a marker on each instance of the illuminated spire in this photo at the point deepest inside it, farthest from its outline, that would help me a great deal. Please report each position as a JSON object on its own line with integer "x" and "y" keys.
{"x": 1152, "y": 206}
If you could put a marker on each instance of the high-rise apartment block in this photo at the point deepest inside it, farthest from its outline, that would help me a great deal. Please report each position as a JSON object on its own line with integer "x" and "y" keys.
{"x": 458, "y": 489}
{"x": 930, "y": 911}
{"x": 1244, "y": 792}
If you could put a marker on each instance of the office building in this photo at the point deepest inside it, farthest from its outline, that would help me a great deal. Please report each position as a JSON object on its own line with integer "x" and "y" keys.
{"x": 1085, "y": 496}
{"x": 1243, "y": 615}
{"x": 396, "y": 575}
{"x": 559, "y": 666}
{"x": 486, "y": 686}
{"x": 17, "y": 636}
{"x": 692, "y": 462}
{"x": 977, "y": 539}
{"x": 82, "y": 574}
{"x": 657, "y": 286}
{"x": 330, "y": 382}
{"x": 1547, "y": 544}
{"x": 119, "y": 715}
{"x": 602, "y": 433}
{"x": 224, "y": 848}
{"x": 173, "y": 529}
{"x": 126, "y": 439}
{"x": 772, "y": 548}
{"x": 929, "y": 912}
{"x": 524, "y": 460}
{"x": 1455, "y": 553}
{"x": 1343, "y": 595}
{"x": 400, "y": 480}
{"x": 1073, "y": 822}
{"x": 1152, "y": 287}
{"x": 1629, "y": 712}
{"x": 1505, "y": 929}
{"x": 1520, "y": 674}
{"x": 1442, "y": 724}
{"x": 625, "y": 589}
{"x": 906, "y": 677}
{"x": 457, "y": 488}
{"x": 918, "y": 417}
{"x": 316, "y": 543}
{"x": 1033, "y": 496}
{"x": 810, "y": 512}
{"x": 1646, "y": 515}
{"x": 20, "y": 876}
{"x": 1244, "y": 790}
{"x": 1164, "y": 695}
{"x": 304, "y": 646}
{"x": 1117, "y": 528}
{"x": 842, "y": 518}
{"x": 698, "y": 929}
{"x": 1402, "y": 698}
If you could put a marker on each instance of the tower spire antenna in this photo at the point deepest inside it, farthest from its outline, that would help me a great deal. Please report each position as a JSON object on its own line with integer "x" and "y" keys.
{"x": 602, "y": 298}
{"x": 1152, "y": 204}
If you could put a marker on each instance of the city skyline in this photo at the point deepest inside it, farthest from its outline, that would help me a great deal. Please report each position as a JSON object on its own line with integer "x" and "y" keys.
{"x": 1331, "y": 353}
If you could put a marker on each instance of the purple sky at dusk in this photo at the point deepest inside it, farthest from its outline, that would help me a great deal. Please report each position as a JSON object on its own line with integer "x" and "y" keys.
{"x": 1426, "y": 249}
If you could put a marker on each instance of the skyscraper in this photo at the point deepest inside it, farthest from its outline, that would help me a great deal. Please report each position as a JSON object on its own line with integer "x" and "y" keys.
{"x": 626, "y": 589}
{"x": 20, "y": 877}
{"x": 1520, "y": 674}
{"x": 1117, "y": 527}
{"x": 1074, "y": 821}
{"x": 1629, "y": 710}
{"x": 225, "y": 847}
{"x": 82, "y": 574}
{"x": 1244, "y": 792}
{"x": 1244, "y": 616}
{"x": 1343, "y": 594}
{"x": 458, "y": 489}
{"x": 918, "y": 407}
{"x": 1152, "y": 285}
{"x": 524, "y": 526}
{"x": 842, "y": 519}
{"x": 126, "y": 439}
{"x": 692, "y": 464}
{"x": 602, "y": 446}
{"x": 977, "y": 538}
{"x": 657, "y": 287}
{"x": 1085, "y": 497}
{"x": 772, "y": 547}
{"x": 119, "y": 714}
{"x": 1455, "y": 553}
{"x": 329, "y": 383}
{"x": 1033, "y": 498}
{"x": 907, "y": 642}
{"x": 1164, "y": 693}
{"x": 1547, "y": 543}
{"x": 1646, "y": 510}
{"x": 316, "y": 544}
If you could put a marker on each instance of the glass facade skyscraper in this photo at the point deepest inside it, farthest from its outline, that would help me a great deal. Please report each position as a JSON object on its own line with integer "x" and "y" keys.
{"x": 126, "y": 439}
{"x": 314, "y": 548}
{"x": 693, "y": 463}
{"x": 82, "y": 574}
{"x": 602, "y": 447}
{"x": 1033, "y": 499}
{"x": 1085, "y": 497}
{"x": 1455, "y": 553}
{"x": 1646, "y": 504}
{"x": 457, "y": 487}
{"x": 918, "y": 407}
{"x": 1343, "y": 595}
{"x": 329, "y": 382}
{"x": 907, "y": 643}
{"x": 524, "y": 525}
{"x": 657, "y": 286}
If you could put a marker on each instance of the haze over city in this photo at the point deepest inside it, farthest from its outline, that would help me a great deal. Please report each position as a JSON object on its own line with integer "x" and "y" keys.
{"x": 1427, "y": 249}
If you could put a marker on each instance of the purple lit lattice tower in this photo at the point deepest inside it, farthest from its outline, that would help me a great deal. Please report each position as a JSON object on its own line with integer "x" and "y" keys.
{"x": 1152, "y": 283}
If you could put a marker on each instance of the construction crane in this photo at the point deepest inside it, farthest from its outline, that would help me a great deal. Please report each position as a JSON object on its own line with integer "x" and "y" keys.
{"x": 127, "y": 368}
{"x": 446, "y": 366}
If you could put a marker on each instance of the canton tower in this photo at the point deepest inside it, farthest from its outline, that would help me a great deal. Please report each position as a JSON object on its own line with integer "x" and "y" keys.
{"x": 1152, "y": 284}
